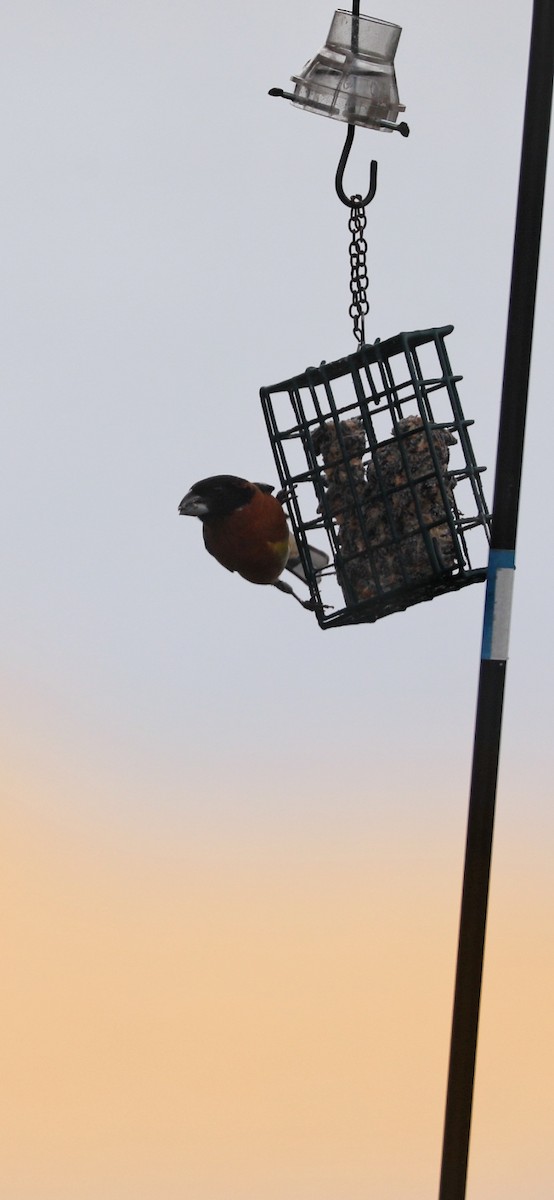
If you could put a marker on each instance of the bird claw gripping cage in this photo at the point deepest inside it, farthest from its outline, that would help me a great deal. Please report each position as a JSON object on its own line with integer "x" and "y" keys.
{"x": 373, "y": 453}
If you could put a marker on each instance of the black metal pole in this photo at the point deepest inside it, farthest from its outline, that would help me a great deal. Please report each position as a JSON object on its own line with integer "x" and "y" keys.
{"x": 497, "y": 605}
{"x": 355, "y": 25}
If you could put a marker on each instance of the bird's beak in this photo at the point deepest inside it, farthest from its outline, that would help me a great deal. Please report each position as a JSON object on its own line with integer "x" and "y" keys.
{"x": 192, "y": 506}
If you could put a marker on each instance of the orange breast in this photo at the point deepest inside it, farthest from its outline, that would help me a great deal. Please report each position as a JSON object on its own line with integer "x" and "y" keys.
{"x": 253, "y": 540}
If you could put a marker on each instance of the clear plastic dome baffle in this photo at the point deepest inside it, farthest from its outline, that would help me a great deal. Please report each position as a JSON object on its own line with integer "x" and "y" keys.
{"x": 352, "y": 78}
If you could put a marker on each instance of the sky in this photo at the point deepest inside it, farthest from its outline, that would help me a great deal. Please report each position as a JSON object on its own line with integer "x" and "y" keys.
{"x": 233, "y": 843}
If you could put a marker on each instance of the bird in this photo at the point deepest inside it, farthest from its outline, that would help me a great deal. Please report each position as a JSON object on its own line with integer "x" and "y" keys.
{"x": 246, "y": 530}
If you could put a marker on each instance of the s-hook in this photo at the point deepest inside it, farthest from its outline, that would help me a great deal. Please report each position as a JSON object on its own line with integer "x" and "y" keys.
{"x": 402, "y": 129}
{"x": 357, "y": 200}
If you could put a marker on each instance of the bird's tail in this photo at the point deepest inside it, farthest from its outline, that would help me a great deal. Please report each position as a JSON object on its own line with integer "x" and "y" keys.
{"x": 318, "y": 558}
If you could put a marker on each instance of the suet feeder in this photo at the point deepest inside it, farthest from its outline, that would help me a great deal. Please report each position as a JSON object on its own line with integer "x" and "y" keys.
{"x": 373, "y": 450}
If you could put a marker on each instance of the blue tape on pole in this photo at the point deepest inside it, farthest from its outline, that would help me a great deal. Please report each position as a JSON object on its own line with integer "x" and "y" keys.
{"x": 498, "y": 605}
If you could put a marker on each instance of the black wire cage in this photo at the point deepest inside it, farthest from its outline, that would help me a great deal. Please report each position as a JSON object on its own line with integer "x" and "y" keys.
{"x": 374, "y": 456}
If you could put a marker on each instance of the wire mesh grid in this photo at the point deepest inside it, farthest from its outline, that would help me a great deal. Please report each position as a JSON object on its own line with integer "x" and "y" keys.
{"x": 374, "y": 455}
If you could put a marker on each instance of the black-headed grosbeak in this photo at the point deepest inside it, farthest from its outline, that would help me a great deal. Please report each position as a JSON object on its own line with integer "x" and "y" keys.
{"x": 246, "y": 530}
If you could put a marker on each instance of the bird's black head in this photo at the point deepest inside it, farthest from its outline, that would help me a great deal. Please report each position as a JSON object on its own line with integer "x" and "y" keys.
{"x": 217, "y": 496}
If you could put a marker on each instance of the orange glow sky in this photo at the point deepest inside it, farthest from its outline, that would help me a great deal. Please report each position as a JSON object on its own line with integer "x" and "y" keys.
{"x": 229, "y": 1023}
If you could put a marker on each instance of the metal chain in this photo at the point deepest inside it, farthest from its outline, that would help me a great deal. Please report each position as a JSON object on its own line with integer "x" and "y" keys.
{"x": 359, "y": 306}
